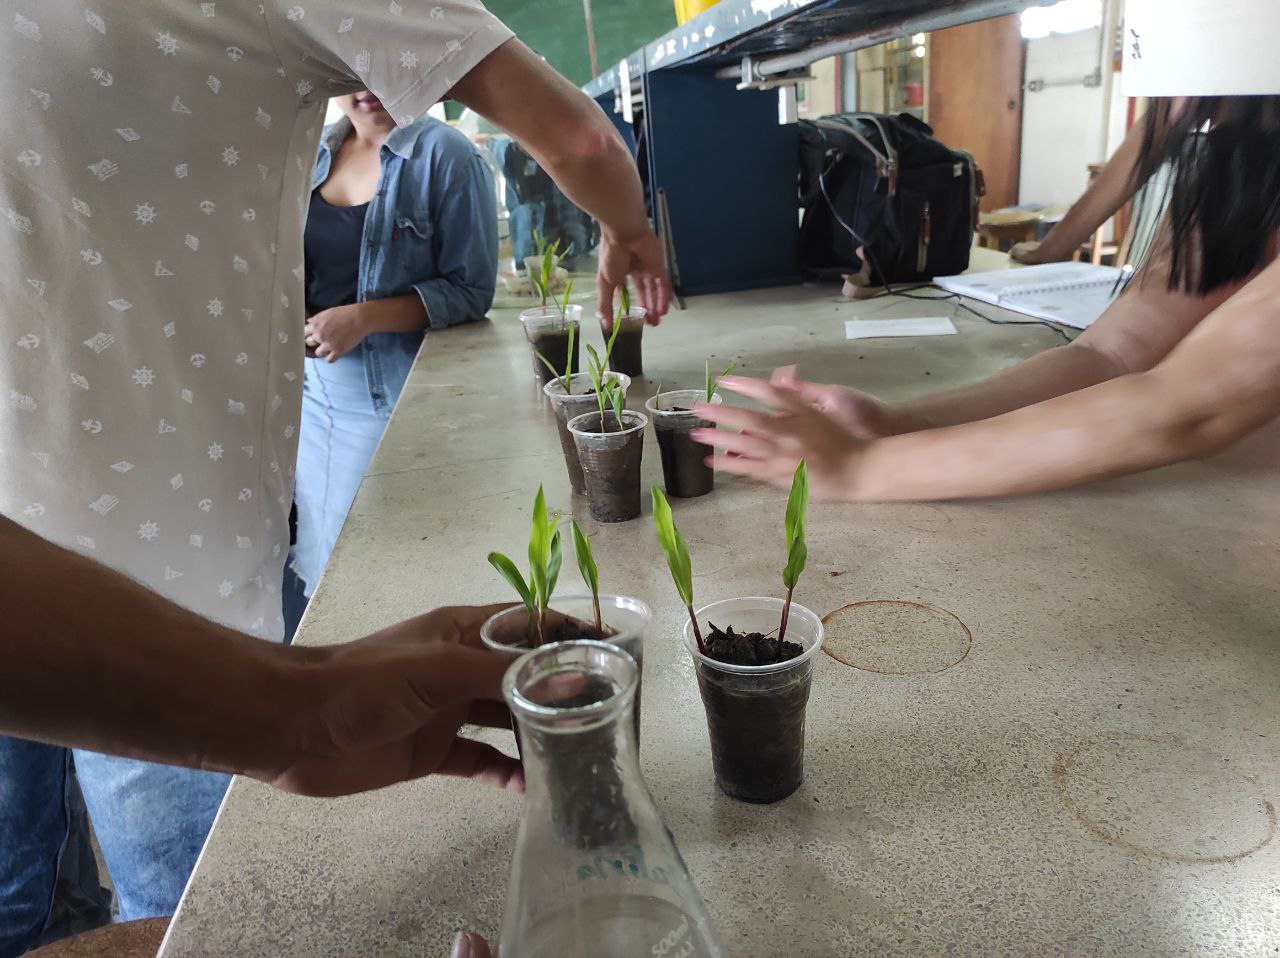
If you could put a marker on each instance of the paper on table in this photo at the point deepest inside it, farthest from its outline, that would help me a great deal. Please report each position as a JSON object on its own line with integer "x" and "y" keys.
{"x": 878, "y": 328}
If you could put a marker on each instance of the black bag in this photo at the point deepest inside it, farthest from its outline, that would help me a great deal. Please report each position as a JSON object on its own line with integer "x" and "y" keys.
{"x": 883, "y": 183}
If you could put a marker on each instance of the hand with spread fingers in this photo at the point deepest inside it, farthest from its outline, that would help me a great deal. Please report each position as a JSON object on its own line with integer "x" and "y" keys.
{"x": 865, "y": 416}
{"x": 769, "y": 444}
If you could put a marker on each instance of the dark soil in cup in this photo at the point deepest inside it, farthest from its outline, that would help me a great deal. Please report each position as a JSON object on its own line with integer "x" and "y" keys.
{"x": 613, "y": 476}
{"x": 748, "y": 648}
{"x": 554, "y": 344}
{"x": 685, "y": 472}
{"x": 756, "y": 721}
{"x": 628, "y": 353}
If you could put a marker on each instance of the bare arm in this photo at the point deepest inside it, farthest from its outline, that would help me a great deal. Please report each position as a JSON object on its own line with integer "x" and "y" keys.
{"x": 571, "y": 138}
{"x": 1218, "y": 385}
{"x": 94, "y": 660}
{"x": 1135, "y": 334}
{"x": 1110, "y": 190}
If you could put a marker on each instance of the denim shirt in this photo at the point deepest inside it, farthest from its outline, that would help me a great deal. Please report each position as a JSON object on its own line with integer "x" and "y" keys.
{"x": 431, "y": 228}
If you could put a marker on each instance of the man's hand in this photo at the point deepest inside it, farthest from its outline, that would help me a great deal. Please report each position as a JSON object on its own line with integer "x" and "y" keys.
{"x": 640, "y": 258}
{"x": 387, "y": 708}
{"x": 768, "y": 445}
{"x": 332, "y": 333}
{"x": 861, "y": 413}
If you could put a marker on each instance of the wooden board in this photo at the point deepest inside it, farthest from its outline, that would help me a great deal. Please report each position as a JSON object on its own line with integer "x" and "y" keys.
{"x": 975, "y": 99}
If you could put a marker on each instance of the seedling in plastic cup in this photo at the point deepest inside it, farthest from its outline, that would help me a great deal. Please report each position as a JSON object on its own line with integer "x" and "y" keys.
{"x": 545, "y": 558}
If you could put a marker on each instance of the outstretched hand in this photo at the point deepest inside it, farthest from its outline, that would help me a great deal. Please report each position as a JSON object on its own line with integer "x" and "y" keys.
{"x": 865, "y": 416}
{"x": 768, "y": 445}
{"x": 388, "y": 708}
{"x": 641, "y": 259}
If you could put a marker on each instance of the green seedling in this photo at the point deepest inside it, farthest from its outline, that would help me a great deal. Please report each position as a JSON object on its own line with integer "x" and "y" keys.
{"x": 549, "y": 255}
{"x": 564, "y": 303}
{"x": 712, "y": 384}
{"x": 673, "y": 545}
{"x": 568, "y": 361}
{"x": 624, "y": 302}
{"x": 797, "y": 551}
{"x": 545, "y": 558}
{"x": 587, "y": 566}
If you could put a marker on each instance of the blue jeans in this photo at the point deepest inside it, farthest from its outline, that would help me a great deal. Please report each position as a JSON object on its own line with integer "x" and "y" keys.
{"x": 339, "y": 433}
{"x": 151, "y": 822}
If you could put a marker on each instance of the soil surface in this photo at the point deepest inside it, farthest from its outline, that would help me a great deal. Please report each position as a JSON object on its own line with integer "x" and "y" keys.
{"x": 753, "y": 648}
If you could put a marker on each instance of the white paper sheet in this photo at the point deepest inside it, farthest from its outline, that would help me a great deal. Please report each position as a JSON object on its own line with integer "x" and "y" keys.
{"x": 881, "y": 328}
{"x": 1201, "y": 47}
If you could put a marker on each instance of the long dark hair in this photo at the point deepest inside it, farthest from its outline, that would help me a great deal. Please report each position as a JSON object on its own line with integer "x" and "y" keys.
{"x": 1225, "y": 203}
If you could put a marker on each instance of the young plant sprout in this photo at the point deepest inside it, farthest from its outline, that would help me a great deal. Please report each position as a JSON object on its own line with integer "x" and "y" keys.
{"x": 564, "y": 303}
{"x": 797, "y": 551}
{"x": 587, "y": 566}
{"x": 713, "y": 383}
{"x": 624, "y": 304}
{"x": 545, "y": 558}
{"x": 609, "y": 393}
{"x": 549, "y": 254}
{"x": 568, "y": 357}
{"x": 673, "y": 545}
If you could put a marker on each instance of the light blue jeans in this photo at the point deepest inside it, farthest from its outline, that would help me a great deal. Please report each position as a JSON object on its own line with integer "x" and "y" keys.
{"x": 151, "y": 822}
{"x": 339, "y": 433}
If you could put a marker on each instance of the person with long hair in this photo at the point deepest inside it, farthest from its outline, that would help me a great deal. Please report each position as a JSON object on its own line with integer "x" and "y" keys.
{"x": 1185, "y": 363}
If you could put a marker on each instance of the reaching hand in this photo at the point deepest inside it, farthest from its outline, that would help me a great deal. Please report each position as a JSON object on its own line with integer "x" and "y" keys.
{"x": 332, "y": 333}
{"x": 641, "y": 259}
{"x": 387, "y": 708}
{"x": 768, "y": 445}
{"x": 861, "y": 413}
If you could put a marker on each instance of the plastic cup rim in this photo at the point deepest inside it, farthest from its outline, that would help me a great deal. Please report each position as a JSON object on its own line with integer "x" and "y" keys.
{"x": 607, "y": 600}
{"x": 594, "y": 434}
{"x": 651, "y": 407}
{"x": 806, "y": 656}
{"x": 549, "y": 390}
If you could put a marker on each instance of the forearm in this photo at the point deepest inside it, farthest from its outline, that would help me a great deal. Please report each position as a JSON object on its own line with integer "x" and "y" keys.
{"x": 396, "y": 314}
{"x": 564, "y": 130}
{"x": 1044, "y": 376}
{"x": 1119, "y": 427}
{"x": 1110, "y": 190}
{"x": 95, "y": 660}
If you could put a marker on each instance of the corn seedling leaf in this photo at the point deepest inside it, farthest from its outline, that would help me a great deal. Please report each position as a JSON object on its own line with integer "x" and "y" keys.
{"x": 564, "y": 304}
{"x": 713, "y": 384}
{"x": 797, "y": 504}
{"x": 507, "y": 569}
{"x": 586, "y": 561}
{"x": 673, "y": 545}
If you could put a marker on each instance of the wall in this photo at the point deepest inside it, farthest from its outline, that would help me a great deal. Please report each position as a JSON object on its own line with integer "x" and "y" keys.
{"x": 1061, "y": 125}
{"x": 556, "y": 29}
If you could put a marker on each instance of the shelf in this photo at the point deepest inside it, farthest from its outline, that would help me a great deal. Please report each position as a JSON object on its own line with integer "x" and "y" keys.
{"x": 736, "y": 28}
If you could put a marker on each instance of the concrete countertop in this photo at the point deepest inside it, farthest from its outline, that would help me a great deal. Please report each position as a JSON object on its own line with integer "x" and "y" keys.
{"x": 1077, "y": 754}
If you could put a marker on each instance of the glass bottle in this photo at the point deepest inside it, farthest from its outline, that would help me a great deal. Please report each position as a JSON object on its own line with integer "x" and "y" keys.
{"x": 595, "y": 871}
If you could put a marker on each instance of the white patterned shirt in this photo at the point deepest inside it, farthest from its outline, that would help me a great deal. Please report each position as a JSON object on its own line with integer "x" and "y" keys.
{"x": 154, "y": 171}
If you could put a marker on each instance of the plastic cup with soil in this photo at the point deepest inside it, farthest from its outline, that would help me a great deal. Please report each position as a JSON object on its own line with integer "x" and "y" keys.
{"x": 755, "y": 702}
{"x": 610, "y": 454}
{"x": 547, "y": 329}
{"x": 628, "y": 353}
{"x": 624, "y": 619}
{"x": 685, "y": 472}
{"x": 580, "y": 399}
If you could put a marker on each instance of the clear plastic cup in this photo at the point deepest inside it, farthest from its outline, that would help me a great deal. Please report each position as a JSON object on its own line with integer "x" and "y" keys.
{"x": 610, "y": 461}
{"x": 570, "y": 405}
{"x": 755, "y": 713}
{"x": 628, "y": 349}
{"x": 547, "y": 329}
{"x": 625, "y": 617}
{"x": 684, "y": 462}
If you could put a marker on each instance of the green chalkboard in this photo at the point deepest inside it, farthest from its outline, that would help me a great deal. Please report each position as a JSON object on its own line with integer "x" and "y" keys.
{"x": 556, "y": 29}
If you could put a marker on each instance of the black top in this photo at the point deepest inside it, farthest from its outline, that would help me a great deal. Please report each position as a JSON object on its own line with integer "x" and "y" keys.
{"x": 331, "y": 246}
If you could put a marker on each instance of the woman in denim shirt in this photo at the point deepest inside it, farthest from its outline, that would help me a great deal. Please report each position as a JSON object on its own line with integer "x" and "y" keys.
{"x": 401, "y": 238}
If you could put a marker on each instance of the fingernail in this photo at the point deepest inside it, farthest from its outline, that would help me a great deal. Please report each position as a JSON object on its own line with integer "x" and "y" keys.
{"x": 461, "y": 946}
